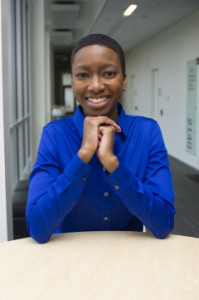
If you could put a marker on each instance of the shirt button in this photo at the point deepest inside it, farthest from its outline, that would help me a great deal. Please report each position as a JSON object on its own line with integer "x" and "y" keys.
{"x": 105, "y": 194}
{"x": 84, "y": 179}
{"x": 105, "y": 218}
{"x": 116, "y": 187}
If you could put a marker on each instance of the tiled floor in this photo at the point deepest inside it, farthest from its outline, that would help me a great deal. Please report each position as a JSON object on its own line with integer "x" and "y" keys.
{"x": 186, "y": 185}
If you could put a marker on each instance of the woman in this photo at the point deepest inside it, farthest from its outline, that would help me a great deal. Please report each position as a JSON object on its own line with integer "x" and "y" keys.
{"x": 100, "y": 169}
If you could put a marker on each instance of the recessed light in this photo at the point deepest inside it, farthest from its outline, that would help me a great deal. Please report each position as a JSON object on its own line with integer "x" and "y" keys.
{"x": 130, "y": 9}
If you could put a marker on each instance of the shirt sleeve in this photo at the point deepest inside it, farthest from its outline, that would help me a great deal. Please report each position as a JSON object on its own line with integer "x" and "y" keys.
{"x": 52, "y": 193}
{"x": 151, "y": 200}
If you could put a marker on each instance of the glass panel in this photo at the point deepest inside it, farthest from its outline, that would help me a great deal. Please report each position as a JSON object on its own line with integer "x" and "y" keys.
{"x": 24, "y": 53}
{"x": 27, "y": 56}
{"x": 13, "y": 104}
{"x": 19, "y": 60}
{"x": 24, "y": 145}
{"x": 14, "y": 157}
{"x": 21, "y": 151}
{"x": 26, "y": 142}
{"x": 20, "y": 137}
{"x": 28, "y": 137}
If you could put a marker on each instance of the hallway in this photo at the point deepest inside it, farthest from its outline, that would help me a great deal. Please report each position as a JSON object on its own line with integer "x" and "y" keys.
{"x": 162, "y": 69}
{"x": 186, "y": 185}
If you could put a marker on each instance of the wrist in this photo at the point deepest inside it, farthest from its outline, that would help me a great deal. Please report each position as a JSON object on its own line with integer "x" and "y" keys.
{"x": 84, "y": 155}
{"x": 110, "y": 164}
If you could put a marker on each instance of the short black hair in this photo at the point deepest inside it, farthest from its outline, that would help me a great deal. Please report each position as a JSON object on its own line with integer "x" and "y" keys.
{"x": 103, "y": 40}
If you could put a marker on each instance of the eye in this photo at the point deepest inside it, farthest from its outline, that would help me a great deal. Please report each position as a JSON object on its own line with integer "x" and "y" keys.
{"x": 110, "y": 74}
{"x": 82, "y": 75}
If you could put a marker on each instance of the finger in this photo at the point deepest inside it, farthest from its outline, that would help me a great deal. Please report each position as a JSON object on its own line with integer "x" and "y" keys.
{"x": 99, "y": 136}
{"x": 106, "y": 130}
{"x": 103, "y": 120}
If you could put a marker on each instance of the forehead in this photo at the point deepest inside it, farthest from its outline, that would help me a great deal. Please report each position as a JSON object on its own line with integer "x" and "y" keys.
{"x": 95, "y": 54}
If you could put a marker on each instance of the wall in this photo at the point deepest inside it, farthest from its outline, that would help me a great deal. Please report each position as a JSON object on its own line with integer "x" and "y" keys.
{"x": 38, "y": 81}
{"x": 6, "y": 230}
{"x": 168, "y": 52}
{"x": 48, "y": 95}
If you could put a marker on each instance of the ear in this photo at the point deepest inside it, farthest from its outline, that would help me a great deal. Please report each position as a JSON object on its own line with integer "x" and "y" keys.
{"x": 124, "y": 85}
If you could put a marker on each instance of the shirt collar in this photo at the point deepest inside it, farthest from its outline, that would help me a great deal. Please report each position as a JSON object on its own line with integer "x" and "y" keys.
{"x": 122, "y": 121}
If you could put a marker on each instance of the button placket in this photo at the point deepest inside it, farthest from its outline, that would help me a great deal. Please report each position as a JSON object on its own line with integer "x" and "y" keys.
{"x": 105, "y": 217}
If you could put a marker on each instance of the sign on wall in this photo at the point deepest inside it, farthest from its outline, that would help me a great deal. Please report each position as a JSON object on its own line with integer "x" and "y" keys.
{"x": 191, "y": 107}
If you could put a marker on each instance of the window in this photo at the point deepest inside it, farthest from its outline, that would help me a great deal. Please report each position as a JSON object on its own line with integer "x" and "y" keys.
{"x": 19, "y": 106}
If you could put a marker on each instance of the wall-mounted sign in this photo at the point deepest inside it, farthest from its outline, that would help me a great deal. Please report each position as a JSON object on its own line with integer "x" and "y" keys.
{"x": 191, "y": 107}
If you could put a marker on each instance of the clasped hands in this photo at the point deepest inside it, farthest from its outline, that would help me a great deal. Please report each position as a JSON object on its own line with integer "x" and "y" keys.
{"x": 98, "y": 137}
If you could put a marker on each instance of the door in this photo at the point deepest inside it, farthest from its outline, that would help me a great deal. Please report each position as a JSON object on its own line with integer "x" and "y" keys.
{"x": 134, "y": 106}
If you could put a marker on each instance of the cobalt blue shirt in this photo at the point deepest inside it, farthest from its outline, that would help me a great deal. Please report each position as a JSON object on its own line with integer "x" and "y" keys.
{"x": 68, "y": 195}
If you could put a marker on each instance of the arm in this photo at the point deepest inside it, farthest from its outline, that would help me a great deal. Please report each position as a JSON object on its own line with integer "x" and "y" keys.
{"x": 52, "y": 193}
{"x": 150, "y": 200}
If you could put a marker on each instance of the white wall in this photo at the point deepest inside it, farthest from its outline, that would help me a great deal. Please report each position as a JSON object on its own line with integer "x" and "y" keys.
{"x": 47, "y": 76}
{"x": 38, "y": 82}
{"x": 52, "y": 87}
{"x": 6, "y": 227}
{"x": 168, "y": 52}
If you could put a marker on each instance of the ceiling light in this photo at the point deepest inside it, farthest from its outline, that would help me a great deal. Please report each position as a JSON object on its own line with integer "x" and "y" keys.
{"x": 130, "y": 9}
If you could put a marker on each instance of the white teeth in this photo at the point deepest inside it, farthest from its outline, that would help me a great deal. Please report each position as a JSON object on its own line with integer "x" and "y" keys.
{"x": 96, "y": 100}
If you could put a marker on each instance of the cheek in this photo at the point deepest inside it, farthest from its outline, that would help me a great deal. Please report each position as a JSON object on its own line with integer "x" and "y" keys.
{"x": 77, "y": 87}
{"x": 119, "y": 87}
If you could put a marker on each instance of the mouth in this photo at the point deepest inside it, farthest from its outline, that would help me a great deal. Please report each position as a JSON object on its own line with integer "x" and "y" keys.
{"x": 97, "y": 100}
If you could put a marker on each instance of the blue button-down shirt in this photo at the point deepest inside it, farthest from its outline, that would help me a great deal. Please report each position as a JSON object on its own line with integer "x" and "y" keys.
{"x": 68, "y": 195}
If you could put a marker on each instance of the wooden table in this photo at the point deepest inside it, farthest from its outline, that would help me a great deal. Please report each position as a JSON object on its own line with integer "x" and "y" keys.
{"x": 101, "y": 265}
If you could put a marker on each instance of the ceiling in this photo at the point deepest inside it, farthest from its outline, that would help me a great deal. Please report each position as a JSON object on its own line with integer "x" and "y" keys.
{"x": 68, "y": 21}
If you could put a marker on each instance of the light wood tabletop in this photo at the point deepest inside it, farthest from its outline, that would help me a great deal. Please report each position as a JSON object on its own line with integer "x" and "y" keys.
{"x": 101, "y": 265}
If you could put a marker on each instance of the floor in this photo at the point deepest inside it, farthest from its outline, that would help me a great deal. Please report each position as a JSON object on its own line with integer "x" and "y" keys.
{"x": 186, "y": 185}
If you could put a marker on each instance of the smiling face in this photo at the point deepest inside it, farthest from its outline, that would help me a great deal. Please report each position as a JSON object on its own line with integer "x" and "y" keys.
{"x": 97, "y": 80}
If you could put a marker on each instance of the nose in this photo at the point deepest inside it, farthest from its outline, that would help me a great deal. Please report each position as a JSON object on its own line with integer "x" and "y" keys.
{"x": 96, "y": 84}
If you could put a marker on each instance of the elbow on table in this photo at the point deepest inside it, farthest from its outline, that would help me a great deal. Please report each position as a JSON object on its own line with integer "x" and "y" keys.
{"x": 162, "y": 227}
{"x": 41, "y": 239}
{"x": 162, "y": 233}
{"x": 37, "y": 235}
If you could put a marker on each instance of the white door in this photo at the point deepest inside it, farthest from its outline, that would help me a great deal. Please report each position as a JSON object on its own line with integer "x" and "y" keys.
{"x": 157, "y": 110}
{"x": 134, "y": 104}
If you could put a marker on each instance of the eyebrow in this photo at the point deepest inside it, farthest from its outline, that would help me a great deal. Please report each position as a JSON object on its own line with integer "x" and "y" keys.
{"x": 101, "y": 67}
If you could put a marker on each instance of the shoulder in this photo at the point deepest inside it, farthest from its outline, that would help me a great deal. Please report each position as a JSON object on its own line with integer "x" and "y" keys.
{"x": 143, "y": 128}
{"x": 146, "y": 132}
{"x": 59, "y": 129}
{"x": 61, "y": 124}
{"x": 141, "y": 122}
